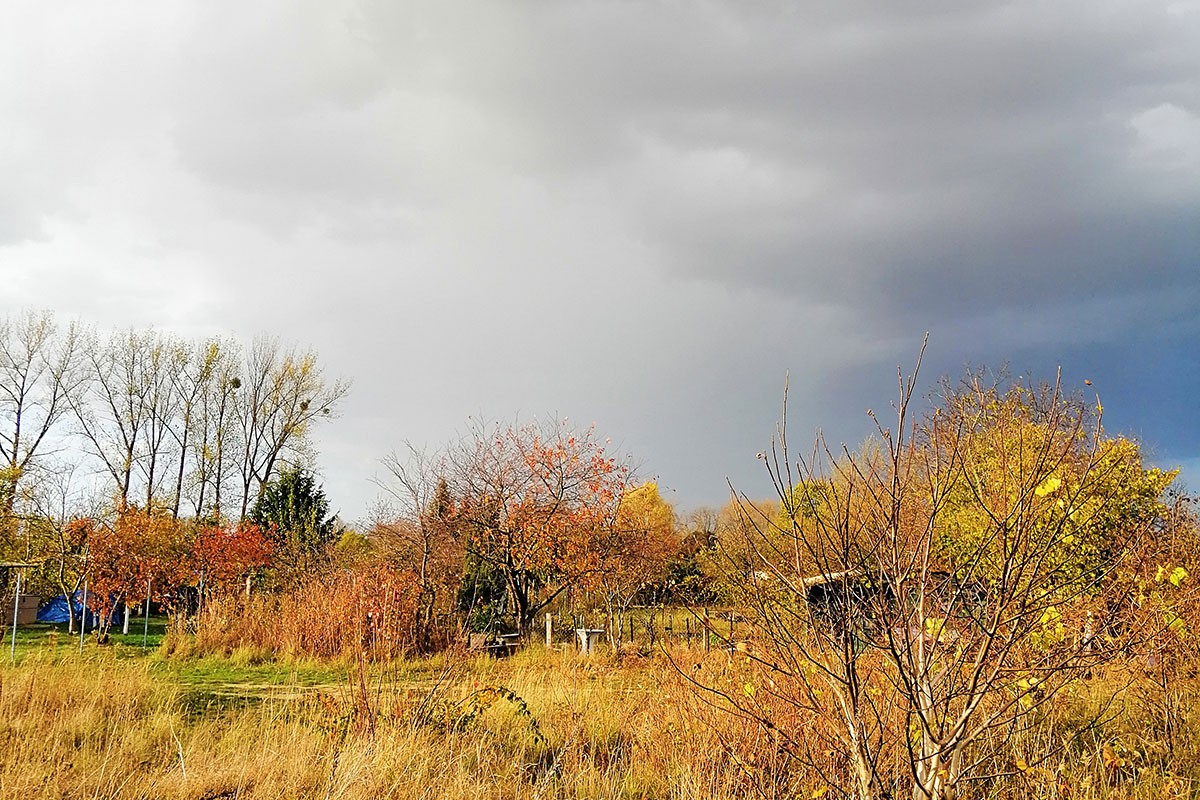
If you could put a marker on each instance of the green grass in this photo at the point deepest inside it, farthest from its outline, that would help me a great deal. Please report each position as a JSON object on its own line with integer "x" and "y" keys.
{"x": 53, "y": 637}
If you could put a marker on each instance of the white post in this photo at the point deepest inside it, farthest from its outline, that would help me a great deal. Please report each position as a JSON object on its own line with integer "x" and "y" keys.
{"x": 549, "y": 630}
{"x": 128, "y": 614}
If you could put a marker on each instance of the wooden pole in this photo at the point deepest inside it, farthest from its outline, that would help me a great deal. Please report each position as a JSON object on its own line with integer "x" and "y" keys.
{"x": 704, "y": 633}
{"x": 549, "y": 631}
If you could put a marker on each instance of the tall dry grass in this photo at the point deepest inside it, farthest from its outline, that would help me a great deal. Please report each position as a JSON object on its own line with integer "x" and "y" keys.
{"x": 329, "y": 615}
{"x": 562, "y": 727}
{"x": 542, "y": 724}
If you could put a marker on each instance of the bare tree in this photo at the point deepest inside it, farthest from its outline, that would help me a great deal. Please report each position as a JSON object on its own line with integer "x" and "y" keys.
{"x": 39, "y": 375}
{"x": 116, "y": 407}
{"x": 417, "y": 530}
{"x": 282, "y": 393}
{"x": 192, "y": 384}
{"x": 167, "y": 361}
{"x": 216, "y": 420}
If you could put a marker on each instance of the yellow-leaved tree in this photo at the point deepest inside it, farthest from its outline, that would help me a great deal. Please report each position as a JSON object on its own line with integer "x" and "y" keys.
{"x": 642, "y": 543}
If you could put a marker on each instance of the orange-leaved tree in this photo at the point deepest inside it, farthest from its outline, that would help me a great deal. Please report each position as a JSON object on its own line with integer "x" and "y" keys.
{"x": 224, "y": 555}
{"x": 535, "y": 505}
{"x": 140, "y": 548}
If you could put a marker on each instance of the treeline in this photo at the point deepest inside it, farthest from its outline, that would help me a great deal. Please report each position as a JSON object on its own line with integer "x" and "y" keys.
{"x": 193, "y": 427}
{"x": 145, "y": 462}
{"x": 510, "y": 519}
{"x": 481, "y": 537}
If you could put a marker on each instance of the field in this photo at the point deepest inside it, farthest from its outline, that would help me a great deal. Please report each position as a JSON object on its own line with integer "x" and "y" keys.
{"x": 123, "y": 722}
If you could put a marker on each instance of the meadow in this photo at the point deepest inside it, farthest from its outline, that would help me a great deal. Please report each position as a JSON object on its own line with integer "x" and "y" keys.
{"x": 121, "y": 722}
{"x": 991, "y": 597}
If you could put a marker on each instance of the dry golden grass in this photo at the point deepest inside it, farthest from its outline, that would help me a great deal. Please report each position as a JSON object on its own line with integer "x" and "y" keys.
{"x": 561, "y": 727}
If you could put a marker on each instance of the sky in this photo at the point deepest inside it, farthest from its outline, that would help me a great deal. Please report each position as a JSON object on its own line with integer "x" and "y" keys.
{"x": 644, "y": 216}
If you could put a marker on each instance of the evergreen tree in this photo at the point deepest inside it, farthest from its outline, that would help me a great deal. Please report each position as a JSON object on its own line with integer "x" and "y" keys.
{"x": 295, "y": 509}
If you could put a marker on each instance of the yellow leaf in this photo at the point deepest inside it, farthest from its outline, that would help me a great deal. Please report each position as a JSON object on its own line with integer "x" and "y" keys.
{"x": 749, "y": 690}
{"x": 1048, "y": 486}
{"x": 821, "y": 792}
{"x": 1178, "y": 576}
{"x": 1022, "y": 765}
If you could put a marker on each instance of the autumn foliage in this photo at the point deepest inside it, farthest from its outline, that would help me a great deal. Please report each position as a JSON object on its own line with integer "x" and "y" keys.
{"x": 138, "y": 549}
{"x": 225, "y": 554}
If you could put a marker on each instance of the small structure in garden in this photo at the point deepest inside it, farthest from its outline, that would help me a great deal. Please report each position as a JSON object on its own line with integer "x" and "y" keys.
{"x": 588, "y": 638}
{"x": 499, "y": 645}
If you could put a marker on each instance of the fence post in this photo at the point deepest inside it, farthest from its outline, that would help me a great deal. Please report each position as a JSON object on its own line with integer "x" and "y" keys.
{"x": 146, "y": 627}
{"x": 705, "y": 631}
{"x": 549, "y": 630}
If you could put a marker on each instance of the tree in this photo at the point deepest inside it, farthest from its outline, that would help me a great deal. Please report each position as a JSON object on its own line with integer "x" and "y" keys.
{"x": 167, "y": 361}
{"x": 198, "y": 369}
{"x": 215, "y": 445}
{"x": 535, "y": 504}
{"x": 294, "y": 508}
{"x": 39, "y": 376}
{"x": 281, "y": 394}
{"x": 56, "y": 526}
{"x": 224, "y": 555}
{"x": 917, "y": 595}
{"x": 116, "y": 407}
{"x": 139, "y": 548}
{"x": 642, "y": 545}
{"x": 416, "y": 532}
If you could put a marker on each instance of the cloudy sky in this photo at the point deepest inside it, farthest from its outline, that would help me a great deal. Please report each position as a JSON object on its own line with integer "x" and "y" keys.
{"x": 642, "y": 215}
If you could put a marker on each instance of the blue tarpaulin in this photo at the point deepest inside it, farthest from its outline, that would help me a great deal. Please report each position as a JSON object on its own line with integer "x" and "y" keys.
{"x": 55, "y": 610}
